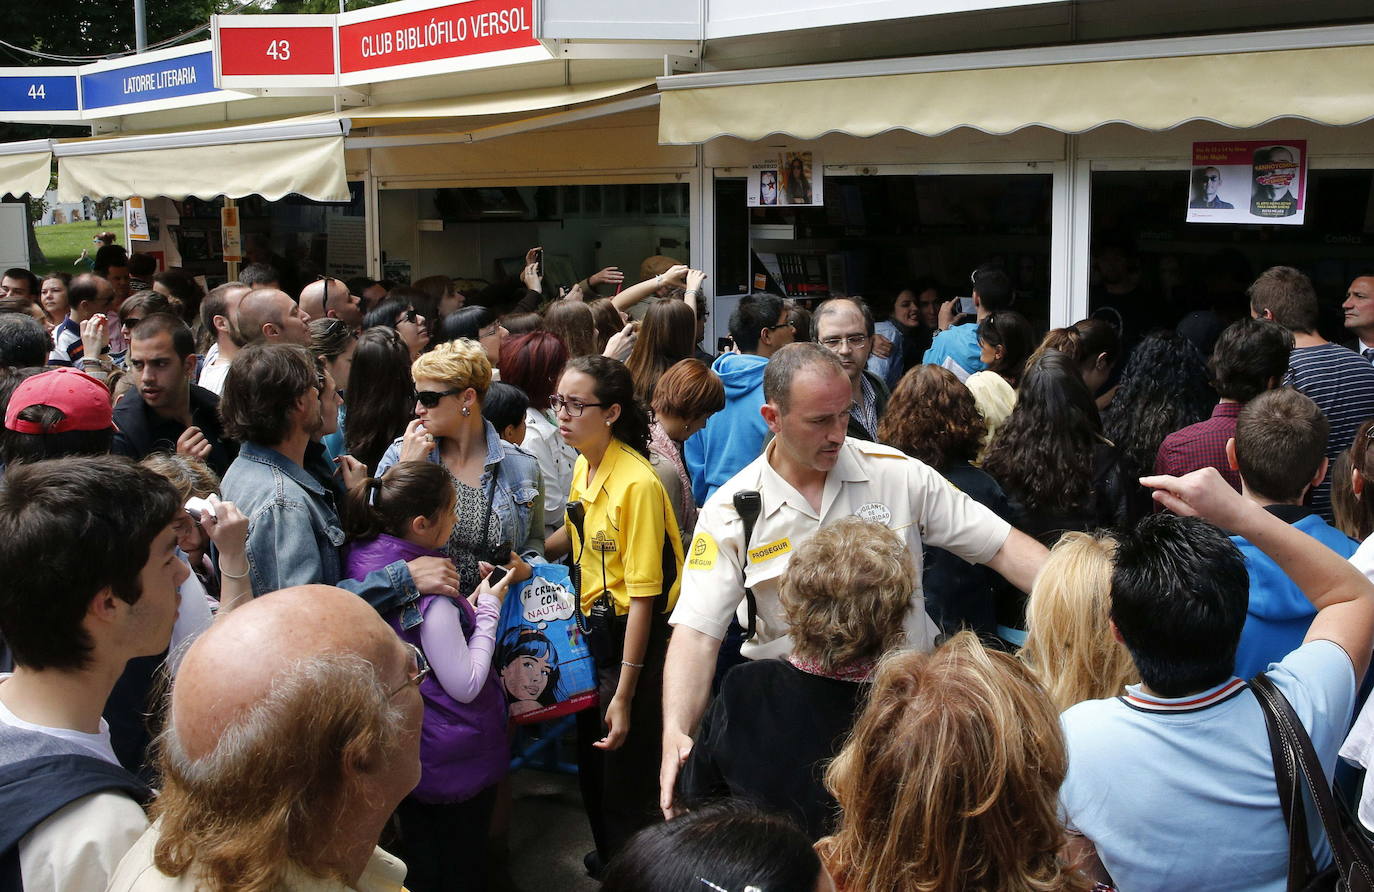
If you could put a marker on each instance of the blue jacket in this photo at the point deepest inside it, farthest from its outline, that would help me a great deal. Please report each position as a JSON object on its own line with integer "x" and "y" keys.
{"x": 889, "y": 368}
{"x": 519, "y": 491}
{"x": 734, "y": 436}
{"x": 1278, "y": 616}
{"x": 959, "y": 344}
{"x": 294, "y": 536}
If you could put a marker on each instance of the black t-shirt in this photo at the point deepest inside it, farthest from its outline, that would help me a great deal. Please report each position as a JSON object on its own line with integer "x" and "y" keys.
{"x": 768, "y": 738}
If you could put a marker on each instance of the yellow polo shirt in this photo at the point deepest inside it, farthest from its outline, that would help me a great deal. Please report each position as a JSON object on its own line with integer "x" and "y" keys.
{"x": 630, "y": 528}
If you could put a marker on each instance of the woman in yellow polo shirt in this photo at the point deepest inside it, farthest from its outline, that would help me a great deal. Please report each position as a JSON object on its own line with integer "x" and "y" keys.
{"x": 629, "y": 553}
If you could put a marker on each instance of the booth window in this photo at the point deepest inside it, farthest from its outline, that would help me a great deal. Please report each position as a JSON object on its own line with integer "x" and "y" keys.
{"x": 480, "y": 234}
{"x": 877, "y": 234}
{"x": 1150, "y": 268}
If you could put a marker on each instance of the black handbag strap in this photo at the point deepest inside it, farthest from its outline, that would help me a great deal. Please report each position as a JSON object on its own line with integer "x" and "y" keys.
{"x": 1301, "y": 865}
{"x": 1357, "y": 873}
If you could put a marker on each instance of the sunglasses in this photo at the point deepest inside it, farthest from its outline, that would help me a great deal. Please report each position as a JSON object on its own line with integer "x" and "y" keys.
{"x": 408, "y": 315}
{"x": 430, "y": 398}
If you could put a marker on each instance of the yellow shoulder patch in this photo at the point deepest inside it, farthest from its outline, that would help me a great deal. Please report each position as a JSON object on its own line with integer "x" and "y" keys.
{"x": 703, "y": 552}
{"x": 769, "y": 551}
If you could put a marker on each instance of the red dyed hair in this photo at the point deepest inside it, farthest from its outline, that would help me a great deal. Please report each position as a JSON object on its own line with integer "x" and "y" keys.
{"x": 533, "y": 363}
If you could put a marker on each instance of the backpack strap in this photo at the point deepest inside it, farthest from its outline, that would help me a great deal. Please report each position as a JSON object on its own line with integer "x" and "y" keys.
{"x": 748, "y": 503}
{"x": 33, "y": 790}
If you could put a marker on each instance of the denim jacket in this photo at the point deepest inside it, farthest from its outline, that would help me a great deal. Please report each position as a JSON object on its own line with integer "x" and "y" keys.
{"x": 294, "y": 537}
{"x": 519, "y": 491}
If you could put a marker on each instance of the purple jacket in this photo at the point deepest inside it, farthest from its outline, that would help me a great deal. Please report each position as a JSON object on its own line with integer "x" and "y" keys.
{"x": 463, "y": 746}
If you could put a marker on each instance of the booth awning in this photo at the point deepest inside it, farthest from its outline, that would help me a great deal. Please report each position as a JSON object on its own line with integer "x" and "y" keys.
{"x": 276, "y": 158}
{"x": 25, "y": 167}
{"x": 272, "y": 160}
{"x": 1240, "y": 90}
{"x": 490, "y": 104}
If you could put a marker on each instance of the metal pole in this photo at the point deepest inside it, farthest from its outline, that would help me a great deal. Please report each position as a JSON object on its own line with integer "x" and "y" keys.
{"x": 140, "y": 27}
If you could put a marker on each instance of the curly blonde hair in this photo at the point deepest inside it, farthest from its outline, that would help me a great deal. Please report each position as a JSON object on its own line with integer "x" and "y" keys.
{"x": 1069, "y": 643}
{"x": 847, "y": 592}
{"x": 460, "y": 363}
{"x": 951, "y": 778}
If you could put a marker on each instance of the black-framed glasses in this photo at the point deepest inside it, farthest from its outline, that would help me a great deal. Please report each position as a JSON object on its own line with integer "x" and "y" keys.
{"x": 331, "y": 327}
{"x": 422, "y": 670}
{"x": 408, "y": 315}
{"x": 786, "y": 324}
{"x": 560, "y": 403}
{"x": 430, "y": 398}
{"x": 855, "y": 341}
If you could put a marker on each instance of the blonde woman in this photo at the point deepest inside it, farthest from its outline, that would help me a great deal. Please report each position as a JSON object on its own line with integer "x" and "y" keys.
{"x": 1070, "y": 646}
{"x": 500, "y": 491}
{"x": 950, "y": 780}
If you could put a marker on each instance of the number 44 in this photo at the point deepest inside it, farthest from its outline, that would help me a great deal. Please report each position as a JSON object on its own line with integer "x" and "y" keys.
{"x": 279, "y": 50}
{"x": 37, "y": 91}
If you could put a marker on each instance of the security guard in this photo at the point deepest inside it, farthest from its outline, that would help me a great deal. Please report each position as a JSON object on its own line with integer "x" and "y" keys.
{"x": 809, "y": 475}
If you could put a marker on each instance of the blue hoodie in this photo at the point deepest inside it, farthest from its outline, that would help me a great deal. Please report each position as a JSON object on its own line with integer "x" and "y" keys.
{"x": 1279, "y": 613}
{"x": 734, "y": 436}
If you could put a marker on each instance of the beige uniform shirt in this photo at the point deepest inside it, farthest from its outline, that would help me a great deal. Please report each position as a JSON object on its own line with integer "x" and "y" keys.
{"x": 871, "y": 481}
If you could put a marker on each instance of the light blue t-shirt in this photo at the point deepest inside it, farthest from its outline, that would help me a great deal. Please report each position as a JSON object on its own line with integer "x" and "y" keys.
{"x": 957, "y": 350}
{"x": 1180, "y": 794}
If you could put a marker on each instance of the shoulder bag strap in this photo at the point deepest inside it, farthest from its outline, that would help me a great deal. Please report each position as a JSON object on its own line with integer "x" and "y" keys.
{"x": 1355, "y": 865}
{"x": 1301, "y": 866}
{"x": 748, "y": 503}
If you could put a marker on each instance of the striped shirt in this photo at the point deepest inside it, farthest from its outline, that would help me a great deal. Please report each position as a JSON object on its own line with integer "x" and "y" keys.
{"x": 1341, "y": 383}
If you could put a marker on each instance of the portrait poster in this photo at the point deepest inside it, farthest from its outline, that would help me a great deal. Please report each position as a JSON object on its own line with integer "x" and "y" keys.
{"x": 135, "y": 221}
{"x": 788, "y": 178}
{"x": 762, "y": 190}
{"x": 1248, "y": 181}
{"x": 231, "y": 238}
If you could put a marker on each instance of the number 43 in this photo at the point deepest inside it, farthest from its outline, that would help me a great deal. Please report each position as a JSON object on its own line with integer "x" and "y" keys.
{"x": 37, "y": 91}
{"x": 279, "y": 50}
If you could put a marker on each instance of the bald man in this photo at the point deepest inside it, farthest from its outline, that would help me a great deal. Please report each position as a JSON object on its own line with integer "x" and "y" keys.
{"x": 334, "y": 302}
{"x": 266, "y": 314}
{"x": 315, "y": 677}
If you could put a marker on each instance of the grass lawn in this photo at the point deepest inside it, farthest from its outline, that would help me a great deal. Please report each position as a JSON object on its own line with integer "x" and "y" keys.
{"x": 62, "y": 243}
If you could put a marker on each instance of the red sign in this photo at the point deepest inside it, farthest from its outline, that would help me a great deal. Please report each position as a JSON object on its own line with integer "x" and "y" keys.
{"x": 276, "y": 51}
{"x": 445, "y": 32}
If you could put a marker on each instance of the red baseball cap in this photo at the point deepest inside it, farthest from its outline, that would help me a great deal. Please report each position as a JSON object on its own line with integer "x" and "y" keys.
{"x": 83, "y": 400}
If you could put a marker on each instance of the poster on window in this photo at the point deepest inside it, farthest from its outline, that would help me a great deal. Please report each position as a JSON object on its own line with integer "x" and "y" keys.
{"x": 1248, "y": 181}
{"x": 795, "y": 178}
{"x": 135, "y": 221}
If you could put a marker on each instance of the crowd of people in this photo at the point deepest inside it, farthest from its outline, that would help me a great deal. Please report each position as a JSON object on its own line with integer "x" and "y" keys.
{"x": 931, "y": 602}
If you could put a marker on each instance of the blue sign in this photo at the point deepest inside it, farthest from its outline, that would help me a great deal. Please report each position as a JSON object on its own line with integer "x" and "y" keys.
{"x": 149, "y": 81}
{"x": 37, "y": 93}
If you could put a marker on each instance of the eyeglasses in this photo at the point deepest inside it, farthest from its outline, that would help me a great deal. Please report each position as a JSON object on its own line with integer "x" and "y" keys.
{"x": 430, "y": 398}
{"x": 422, "y": 671}
{"x": 560, "y": 403}
{"x": 408, "y": 315}
{"x": 490, "y": 330}
{"x": 787, "y": 324}
{"x": 331, "y": 327}
{"x": 855, "y": 340}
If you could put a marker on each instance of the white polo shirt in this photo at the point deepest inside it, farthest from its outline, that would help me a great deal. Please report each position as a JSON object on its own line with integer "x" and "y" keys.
{"x": 869, "y": 480}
